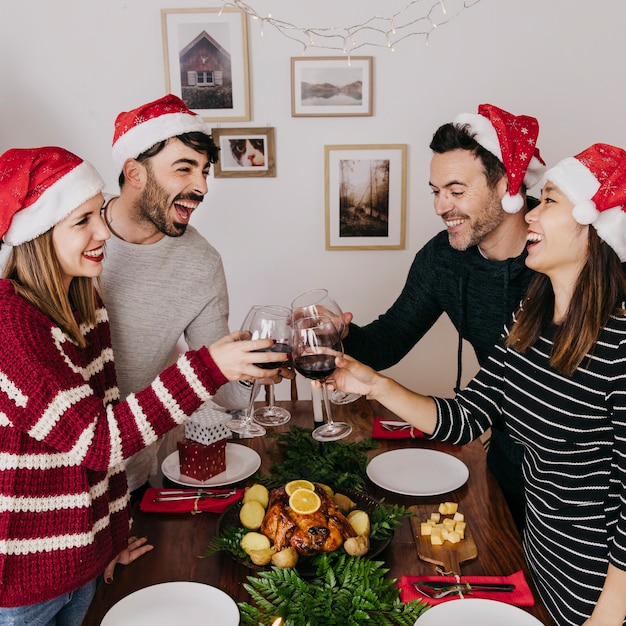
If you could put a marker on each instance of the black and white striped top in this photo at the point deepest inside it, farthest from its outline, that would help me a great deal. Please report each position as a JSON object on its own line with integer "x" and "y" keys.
{"x": 573, "y": 430}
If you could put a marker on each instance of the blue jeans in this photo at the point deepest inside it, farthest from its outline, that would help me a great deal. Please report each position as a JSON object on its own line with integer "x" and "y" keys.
{"x": 66, "y": 610}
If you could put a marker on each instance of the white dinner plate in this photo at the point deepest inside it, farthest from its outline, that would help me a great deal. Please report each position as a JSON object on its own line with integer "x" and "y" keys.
{"x": 172, "y": 603}
{"x": 417, "y": 472}
{"x": 241, "y": 462}
{"x": 476, "y": 612}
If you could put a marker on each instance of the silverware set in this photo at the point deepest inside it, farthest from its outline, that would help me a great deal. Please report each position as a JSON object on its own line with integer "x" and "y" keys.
{"x": 394, "y": 426}
{"x": 174, "y": 495}
{"x": 436, "y": 590}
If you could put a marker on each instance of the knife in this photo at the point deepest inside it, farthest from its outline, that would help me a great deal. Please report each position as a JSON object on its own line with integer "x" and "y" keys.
{"x": 464, "y": 586}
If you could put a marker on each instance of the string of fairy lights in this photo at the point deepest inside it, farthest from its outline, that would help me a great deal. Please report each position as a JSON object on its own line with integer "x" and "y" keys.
{"x": 418, "y": 18}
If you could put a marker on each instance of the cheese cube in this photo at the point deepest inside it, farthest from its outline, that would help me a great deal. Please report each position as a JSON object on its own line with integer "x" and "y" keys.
{"x": 425, "y": 528}
{"x": 458, "y": 517}
{"x": 448, "y": 508}
{"x": 453, "y": 537}
{"x": 435, "y": 517}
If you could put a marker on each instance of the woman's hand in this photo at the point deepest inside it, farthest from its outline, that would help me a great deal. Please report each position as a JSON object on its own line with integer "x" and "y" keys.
{"x": 236, "y": 356}
{"x": 352, "y": 376}
{"x": 136, "y": 548}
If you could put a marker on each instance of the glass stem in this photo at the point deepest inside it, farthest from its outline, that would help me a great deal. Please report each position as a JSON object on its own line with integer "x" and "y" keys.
{"x": 329, "y": 417}
{"x": 270, "y": 397}
{"x": 249, "y": 413}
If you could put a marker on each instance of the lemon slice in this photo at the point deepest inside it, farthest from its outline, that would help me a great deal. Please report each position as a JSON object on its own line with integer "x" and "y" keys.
{"x": 291, "y": 486}
{"x": 304, "y": 501}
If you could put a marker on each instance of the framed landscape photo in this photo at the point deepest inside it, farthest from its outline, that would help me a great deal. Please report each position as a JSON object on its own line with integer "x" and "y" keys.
{"x": 331, "y": 86}
{"x": 244, "y": 152}
{"x": 206, "y": 61}
{"x": 365, "y": 197}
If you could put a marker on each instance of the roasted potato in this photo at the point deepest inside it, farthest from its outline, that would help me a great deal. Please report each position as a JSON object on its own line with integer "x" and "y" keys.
{"x": 343, "y": 503}
{"x": 357, "y": 546}
{"x": 360, "y": 521}
{"x": 261, "y": 557}
{"x": 257, "y": 492}
{"x": 254, "y": 542}
{"x": 285, "y": 558}
{"x": 251, "y": 514}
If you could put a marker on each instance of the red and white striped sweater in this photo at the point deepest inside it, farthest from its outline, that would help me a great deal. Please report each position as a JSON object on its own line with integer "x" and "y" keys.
{"x": 64, "y": 436}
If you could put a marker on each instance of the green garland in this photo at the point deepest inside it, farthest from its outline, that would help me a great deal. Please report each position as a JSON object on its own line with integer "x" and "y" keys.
{"x": 336, "y": 463}
{"x": 346, "y": 591}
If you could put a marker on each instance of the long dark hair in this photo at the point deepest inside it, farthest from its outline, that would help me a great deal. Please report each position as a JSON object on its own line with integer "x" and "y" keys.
{"x": 599, "y": 293}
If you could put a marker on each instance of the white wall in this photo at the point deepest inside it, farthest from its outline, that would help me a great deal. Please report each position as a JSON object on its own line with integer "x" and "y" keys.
{"x": 69, "y": 66}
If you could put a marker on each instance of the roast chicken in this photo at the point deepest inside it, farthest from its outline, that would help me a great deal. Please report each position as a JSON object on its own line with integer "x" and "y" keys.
{"x": 322, "y": 531}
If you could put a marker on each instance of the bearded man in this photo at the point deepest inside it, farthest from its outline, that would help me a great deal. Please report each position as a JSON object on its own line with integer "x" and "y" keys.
{"x": 474, "y": 271}
{"x": 162, "y": 279}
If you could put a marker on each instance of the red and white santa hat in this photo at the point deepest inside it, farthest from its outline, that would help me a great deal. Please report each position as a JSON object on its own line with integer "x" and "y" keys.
{"x": 39, "y": 187}
{"x": 595, "y": 181}
{"x": 147, "y": 125}
{"x": 512, "y": 139}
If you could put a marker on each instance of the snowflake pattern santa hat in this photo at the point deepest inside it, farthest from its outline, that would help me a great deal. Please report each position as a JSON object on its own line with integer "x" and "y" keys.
{"x": 513, "y": 141}
{"x": 39, "y": 187}
{"x": 148, "y": 124}
{"x": 595, "y": 181}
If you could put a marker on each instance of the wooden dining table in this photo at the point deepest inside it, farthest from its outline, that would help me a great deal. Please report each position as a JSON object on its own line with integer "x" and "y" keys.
{"x": 180, "y": 540}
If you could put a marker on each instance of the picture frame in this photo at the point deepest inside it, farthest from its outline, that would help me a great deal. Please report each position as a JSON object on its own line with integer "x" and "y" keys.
{"x": 365, "y": 196}
{"x": 206, "y": 61}
{"x": 331, "y": 86}
{"x": 245, "y": 152}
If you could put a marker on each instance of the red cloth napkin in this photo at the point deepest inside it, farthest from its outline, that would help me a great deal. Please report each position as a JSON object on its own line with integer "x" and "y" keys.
{"x": 378, "y": 432}
{"x": 192, "y": 505}
{"x": 520, "y": 596}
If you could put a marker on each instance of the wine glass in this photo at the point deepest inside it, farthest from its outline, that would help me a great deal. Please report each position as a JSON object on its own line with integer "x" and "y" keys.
{"x": 276, "y": 322}
{"x": 314, "y": 303}
{"x": 315, "y": 344}
{"x": 264, "y": 322}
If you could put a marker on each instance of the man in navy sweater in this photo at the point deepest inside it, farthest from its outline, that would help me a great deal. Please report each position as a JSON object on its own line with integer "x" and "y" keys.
{"x": 474, "y": 271}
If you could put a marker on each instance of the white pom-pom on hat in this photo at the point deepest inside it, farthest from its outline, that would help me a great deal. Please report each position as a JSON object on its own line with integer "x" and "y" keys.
{"x": 585, "y": 212}
{"x": 512, "y": 204}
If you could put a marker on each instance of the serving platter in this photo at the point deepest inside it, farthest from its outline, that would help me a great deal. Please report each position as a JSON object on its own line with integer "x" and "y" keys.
{"x": 230, "y": 519}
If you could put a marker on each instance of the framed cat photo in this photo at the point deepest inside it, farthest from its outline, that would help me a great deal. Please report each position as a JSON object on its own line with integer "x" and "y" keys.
{"x": 206, "y": 61}
{"x": 365, "y": 197}
{"x": 245, "y": 152}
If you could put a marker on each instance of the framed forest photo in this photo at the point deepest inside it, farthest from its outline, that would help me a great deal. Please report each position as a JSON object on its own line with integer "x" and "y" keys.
{"x": 365, "y": 197}
{"x": 206, "y": 61}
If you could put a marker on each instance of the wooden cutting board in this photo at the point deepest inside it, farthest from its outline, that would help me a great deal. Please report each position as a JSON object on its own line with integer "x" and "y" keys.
{"x": 449, "y": 556}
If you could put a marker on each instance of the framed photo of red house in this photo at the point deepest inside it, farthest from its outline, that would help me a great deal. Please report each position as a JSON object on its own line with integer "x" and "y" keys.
{"x": 206, "y": 61}
{"x": 245, "y": 152}
{"x": 365, "y": 197}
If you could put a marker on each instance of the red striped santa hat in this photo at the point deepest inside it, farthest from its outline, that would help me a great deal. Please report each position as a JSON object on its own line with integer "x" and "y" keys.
{"x": 147, "y": 125}
{"x": 595, "y": 181}
{"x": 512, "y": 140}
{"x": 39, "y": 187}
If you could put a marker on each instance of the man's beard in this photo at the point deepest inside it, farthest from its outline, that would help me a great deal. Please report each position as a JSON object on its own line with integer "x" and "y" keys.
{"x": 484, "y": 223}
{"x": 153, "y": 205}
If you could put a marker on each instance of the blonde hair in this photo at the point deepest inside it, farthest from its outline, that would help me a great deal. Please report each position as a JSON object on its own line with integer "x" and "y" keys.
{"x": 34, "y": 271}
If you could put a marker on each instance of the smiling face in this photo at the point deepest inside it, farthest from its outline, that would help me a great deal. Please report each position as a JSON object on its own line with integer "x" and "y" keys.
{"x": 469, "y": 207}
{"x": 557, "y": 243}
{"x": 175, "y": 185}
{"x": 78, "y": 241}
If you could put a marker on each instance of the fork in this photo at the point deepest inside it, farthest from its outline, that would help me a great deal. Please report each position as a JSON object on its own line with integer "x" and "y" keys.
{"x": 201, "y": 495}
{"x": 458, "y": 588}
